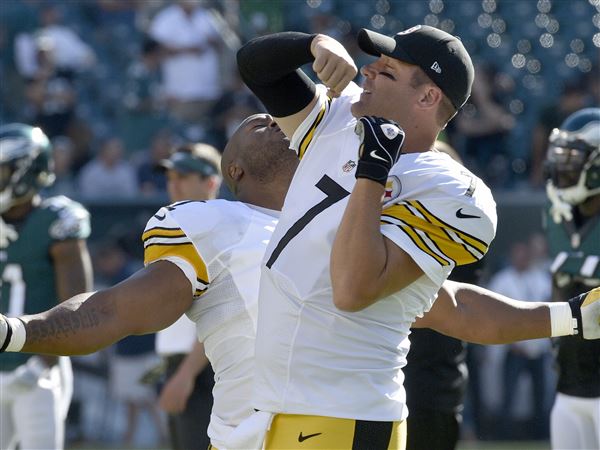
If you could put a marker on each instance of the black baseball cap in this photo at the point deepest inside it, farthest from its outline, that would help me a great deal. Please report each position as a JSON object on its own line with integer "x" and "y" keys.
{"x": 442, "y": 57}
{"x": 186, "y": 162}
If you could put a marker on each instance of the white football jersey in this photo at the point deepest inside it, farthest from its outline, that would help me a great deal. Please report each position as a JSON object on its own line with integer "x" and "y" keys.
{"x": 313, "y": 358}
{"x": 219, "y": 245}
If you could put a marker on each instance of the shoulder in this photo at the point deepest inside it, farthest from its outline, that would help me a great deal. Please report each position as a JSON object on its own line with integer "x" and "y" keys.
{"x": 441, "y": 190}
{"x": 69, "y": 219}
{"x": 199, "y": 217}
{"x": 438, "y": 175}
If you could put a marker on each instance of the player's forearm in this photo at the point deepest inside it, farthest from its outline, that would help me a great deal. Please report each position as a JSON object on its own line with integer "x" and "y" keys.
{"x": 358, "y": 256}
{"x": 81, "y": 325}
{"x": 194, "y": 362}
{"x": 269, "y": 65}
{"x": 73, "y": 268}
{"x": 495, "y": 319}
{"x": 269, "y": 58}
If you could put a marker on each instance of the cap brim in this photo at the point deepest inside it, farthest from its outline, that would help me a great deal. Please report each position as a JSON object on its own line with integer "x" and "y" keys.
{"x": 167, "y": 164}
{"x": 377, "y": 44}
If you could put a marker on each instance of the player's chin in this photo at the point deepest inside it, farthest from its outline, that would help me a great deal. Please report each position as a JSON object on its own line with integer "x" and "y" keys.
{"x": 358, "y": 109}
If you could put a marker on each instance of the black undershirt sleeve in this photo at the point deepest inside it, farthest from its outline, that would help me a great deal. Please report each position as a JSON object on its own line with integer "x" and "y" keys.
{"x": 270, "y": 67}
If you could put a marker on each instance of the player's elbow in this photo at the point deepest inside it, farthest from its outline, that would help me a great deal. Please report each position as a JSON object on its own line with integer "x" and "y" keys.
{"x": 350, "y": 299}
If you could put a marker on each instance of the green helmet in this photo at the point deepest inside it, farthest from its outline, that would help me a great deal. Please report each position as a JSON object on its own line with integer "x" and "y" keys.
{"x": 26, "y": 164}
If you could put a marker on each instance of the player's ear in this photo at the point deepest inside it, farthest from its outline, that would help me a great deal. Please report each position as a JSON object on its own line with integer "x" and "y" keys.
{"x": 235, "y": 172}
{"x": 430, "y": 96}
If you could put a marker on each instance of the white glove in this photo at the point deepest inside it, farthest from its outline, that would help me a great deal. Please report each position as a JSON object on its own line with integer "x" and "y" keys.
{"x": 586, "y": 309}
{"x": 560, "y": 210}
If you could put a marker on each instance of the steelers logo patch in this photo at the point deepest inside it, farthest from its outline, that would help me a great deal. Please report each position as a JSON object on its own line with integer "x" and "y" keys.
{"x": 393, "y": 187}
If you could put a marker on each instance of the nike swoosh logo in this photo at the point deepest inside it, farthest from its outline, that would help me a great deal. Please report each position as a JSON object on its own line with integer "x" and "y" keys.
{"x": 308, "y": 436}
{"x": 160, "y": 217}
{"x": 375, "y": 155}
{"x": 462, "y": 215}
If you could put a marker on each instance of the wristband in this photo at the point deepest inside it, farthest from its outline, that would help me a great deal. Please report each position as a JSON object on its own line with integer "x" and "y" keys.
{"x": 19, "y": 334}
{"x": 562, "y": 322}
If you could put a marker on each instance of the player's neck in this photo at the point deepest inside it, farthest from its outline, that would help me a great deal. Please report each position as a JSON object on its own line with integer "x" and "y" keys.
{"x": 267, "y": 196}
{"x": 417, "y": 145}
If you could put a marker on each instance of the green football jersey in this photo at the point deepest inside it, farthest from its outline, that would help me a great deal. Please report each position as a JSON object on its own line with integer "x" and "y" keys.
{"x": 27, "y": 278}
{"x": 575, "y": 252}
{"x": 575, "y": 269}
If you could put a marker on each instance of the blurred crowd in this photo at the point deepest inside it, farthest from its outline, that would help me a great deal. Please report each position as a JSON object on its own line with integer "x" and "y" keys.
{"x": 117, "y": 84}
{"x": 115, "y": 87}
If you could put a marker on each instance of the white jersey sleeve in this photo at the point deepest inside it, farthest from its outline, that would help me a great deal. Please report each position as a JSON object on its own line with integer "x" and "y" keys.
{"x": 441, "y": 214}
{"x": 165, "y": 239}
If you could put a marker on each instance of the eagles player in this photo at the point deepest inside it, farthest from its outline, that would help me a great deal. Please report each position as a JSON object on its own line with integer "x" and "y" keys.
{"x": 43, "y": 259}
{"x": 573, "y": 230}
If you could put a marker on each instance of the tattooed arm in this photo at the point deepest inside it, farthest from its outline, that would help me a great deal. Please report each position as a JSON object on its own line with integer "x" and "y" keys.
{"x": 150, "y": 300}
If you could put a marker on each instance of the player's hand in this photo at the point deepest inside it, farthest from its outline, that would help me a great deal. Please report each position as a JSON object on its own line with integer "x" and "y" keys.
{"x": 333, "y": 64}
{"x": 586, "y": 309}
{"x": 380, "y": 147}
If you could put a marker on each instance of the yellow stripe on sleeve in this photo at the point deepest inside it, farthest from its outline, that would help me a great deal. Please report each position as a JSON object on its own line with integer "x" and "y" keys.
{"x": 307, "y": 139}
{"x": 422, "y": 245}
{"x": 186, "y": 251}
{"x": 162, "y": 232}
{"x": 474, "y": 242}
{"x": 454, "y": 251}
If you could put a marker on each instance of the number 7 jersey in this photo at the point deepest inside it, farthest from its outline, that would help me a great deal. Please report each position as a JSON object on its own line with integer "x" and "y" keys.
{"x": 311, "y": 357}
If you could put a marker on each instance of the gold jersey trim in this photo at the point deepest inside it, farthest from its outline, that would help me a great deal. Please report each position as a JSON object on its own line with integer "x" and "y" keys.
{"x": 308, "y": 136}
{"x": 184, "y": 250}
{"x": 440, "y": 241}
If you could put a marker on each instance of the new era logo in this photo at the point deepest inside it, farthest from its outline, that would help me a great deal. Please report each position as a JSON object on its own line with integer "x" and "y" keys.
{"x": 436, "y": 67}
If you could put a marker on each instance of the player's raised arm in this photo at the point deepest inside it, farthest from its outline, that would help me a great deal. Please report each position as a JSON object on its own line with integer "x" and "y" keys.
{"x": 478, "y": 315}
{"x": 149, "y": 300}
{"x": 270, "y": 67}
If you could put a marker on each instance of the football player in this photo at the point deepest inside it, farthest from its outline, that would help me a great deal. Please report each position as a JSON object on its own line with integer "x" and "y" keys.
{"x": 342, "y": 280}
{"x": 43, "y": 259}
{"x": 573, "y": 229}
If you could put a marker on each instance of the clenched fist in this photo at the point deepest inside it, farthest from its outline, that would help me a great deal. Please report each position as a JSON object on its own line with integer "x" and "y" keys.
{"x": 380, "y": 147}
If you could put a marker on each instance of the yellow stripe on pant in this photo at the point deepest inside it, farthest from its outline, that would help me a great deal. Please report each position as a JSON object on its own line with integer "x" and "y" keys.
{"x": 291, "y": 431}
